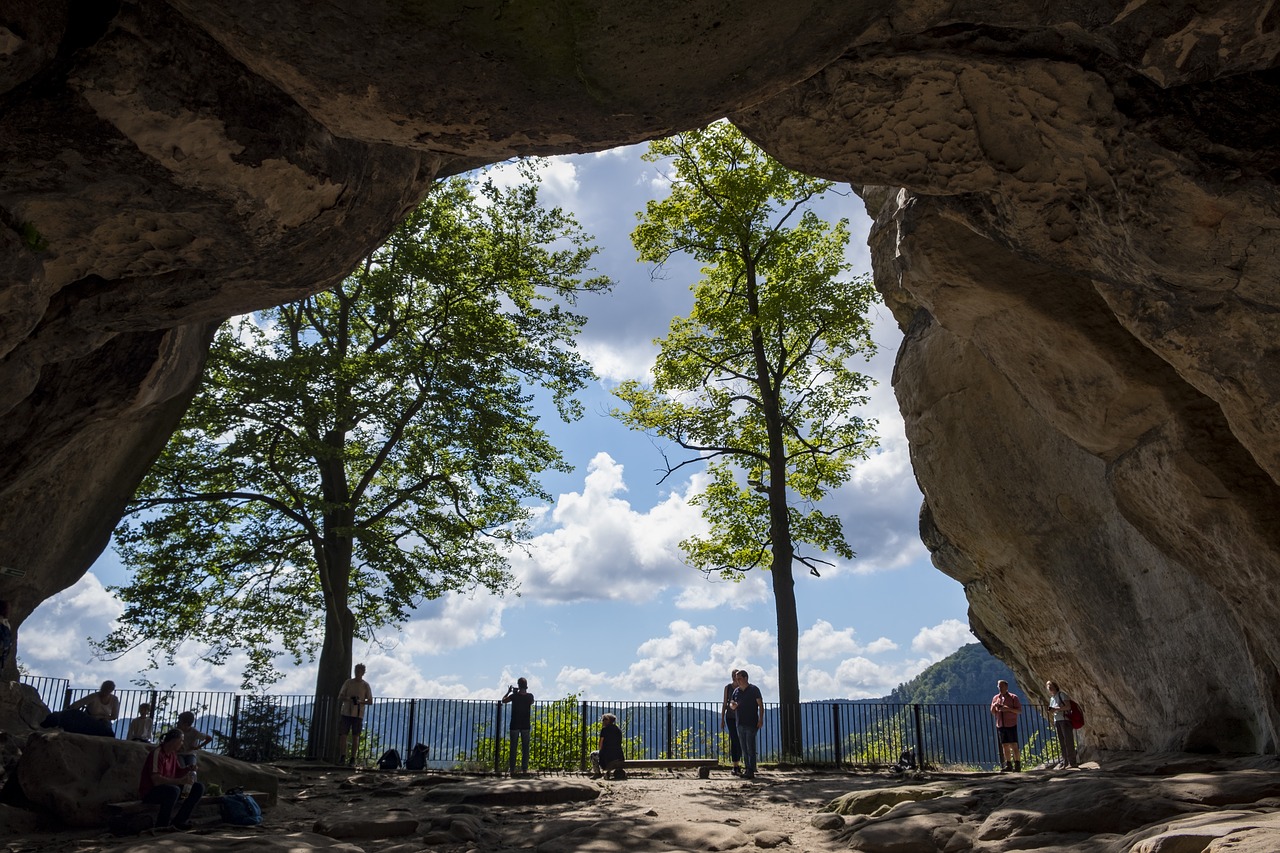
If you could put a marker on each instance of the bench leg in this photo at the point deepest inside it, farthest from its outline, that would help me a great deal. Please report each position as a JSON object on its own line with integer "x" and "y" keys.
{"x": 704, "y": 772}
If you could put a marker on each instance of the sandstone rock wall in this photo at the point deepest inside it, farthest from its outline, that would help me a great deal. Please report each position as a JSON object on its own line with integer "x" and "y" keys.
{"x": 1080, "y": 239}
{"x": 1084, "y": 263}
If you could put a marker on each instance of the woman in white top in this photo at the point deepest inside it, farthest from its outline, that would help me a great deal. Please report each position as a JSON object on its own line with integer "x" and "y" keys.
{"x": 103, "y": 705}
{"x": 1059, "y": 702}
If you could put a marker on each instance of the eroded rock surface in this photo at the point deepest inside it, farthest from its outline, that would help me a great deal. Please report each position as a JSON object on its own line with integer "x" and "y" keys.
{"x": 1077, "y": 228}
{"x": 73, "y": 777}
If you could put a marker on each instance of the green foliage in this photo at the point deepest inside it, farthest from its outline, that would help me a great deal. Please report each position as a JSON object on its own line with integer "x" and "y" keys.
{"x": 259, "y": 730}
{"x": 32, "y": 238}
{"x": 368, "y": 448}
{"x": 968, "y": 676}
{"x": 704, "y": 742}
{"x": 755, "y": 382}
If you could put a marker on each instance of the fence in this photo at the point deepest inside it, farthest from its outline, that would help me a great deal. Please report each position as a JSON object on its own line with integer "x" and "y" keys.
{"x": 471, "y": 735}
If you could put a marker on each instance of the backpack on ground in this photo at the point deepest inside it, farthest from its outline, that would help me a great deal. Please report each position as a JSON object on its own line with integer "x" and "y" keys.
{"x": 1075, "y": 716}
{"x": 240, "y": 809}
{"x": 417, "y": 759}
{"x": 390, "y": 760}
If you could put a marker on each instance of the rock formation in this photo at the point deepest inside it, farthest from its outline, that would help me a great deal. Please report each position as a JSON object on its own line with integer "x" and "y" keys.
{"x": 1077, "y": 220}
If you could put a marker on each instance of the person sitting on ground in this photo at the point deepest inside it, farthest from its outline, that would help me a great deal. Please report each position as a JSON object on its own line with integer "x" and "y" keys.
{"x": 142, "y": 728}
{"x": 163, "y": 779}
{"x": 608, "y": 757}
{"x": 417, "y": 759}
{"x": 103, "y": 705}
{"x": 192, "y": 739}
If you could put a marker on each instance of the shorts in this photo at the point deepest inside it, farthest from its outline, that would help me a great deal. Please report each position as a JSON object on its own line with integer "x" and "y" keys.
{"x": 351, "y": 725}
{"x": 1008, "y": 734}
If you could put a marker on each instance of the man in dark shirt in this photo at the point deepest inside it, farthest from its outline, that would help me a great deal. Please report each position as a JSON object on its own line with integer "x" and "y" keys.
{"x": 521, "y": 701}
{"x": 748, "y": 706}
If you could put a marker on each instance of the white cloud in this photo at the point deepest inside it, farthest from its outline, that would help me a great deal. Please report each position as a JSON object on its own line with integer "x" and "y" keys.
{"x": 942, "y": 639}
{"x": 617, "y": 362}
{"x": 881, "y": 645}
{"x": 823, "y": 641}
{"x": 601, "y": 548}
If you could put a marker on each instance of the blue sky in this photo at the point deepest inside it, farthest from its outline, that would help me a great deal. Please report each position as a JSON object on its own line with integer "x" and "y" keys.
{"x": 606, "y": 607}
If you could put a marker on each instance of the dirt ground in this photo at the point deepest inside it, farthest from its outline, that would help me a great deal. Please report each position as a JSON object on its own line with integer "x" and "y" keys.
{"x": 774, "y": 803}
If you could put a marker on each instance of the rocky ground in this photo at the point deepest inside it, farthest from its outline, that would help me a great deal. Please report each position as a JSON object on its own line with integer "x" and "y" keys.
{"x": 1171, "y": 804}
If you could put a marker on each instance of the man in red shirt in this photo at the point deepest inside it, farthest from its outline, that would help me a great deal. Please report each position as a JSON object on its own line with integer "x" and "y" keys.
{"x": 1006, "y": 707}
{"x": 162, "y": 780}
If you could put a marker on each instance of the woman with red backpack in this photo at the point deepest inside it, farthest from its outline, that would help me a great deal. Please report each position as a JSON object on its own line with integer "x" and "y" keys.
{"x": 1062, "y": 708}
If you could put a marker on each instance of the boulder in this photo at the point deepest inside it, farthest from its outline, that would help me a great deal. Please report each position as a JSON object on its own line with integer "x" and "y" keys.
{"x": 21, "y": 710}
{"x": 74, "y": 777}
{"x": 513, "y": 792}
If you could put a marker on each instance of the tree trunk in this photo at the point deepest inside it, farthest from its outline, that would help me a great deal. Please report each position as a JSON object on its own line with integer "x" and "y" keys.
{"x": 333, "y": 561}
{"x": 784, "y": 602}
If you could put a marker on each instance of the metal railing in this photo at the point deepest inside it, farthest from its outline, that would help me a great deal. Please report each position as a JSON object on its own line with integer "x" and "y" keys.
{"x": 472, "y": 735}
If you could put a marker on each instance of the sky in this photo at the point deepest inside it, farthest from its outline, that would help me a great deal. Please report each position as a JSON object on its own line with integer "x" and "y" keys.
{"x": 606, "y": 608}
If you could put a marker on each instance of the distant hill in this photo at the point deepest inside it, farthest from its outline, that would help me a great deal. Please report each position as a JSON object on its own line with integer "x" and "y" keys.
{"x": 967, "y": 677}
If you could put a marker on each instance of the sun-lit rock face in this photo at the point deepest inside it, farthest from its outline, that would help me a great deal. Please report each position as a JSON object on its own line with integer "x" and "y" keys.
{"x": 1085, "y": 261}
{"x": 1077, "y": 223}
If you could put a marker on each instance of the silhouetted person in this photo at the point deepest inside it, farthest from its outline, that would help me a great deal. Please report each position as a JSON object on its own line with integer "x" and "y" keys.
{"x": 353, "y": 698}
{"x": 521, "y": 701}
{"x": 748, "y": 705}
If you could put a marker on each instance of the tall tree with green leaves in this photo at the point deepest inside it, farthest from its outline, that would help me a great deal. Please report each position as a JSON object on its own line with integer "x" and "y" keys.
{"x": 756, "y": 381}
{"x": 368, "y": 448}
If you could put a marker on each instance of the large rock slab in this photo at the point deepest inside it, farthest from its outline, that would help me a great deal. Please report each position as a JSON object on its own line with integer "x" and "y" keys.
{"x": 73, "y": 777}
{"x": 295, "y": 842}
{"x": 513, "y": 792}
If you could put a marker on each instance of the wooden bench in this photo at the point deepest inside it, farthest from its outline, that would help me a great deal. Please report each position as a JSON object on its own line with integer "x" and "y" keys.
{"x": 702, "y": 765}
{"x": 263, "y": 799}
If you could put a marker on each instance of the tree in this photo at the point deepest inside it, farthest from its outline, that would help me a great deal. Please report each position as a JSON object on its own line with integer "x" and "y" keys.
{"x": 755, "y": 381}
{"x": 356, "y": 453}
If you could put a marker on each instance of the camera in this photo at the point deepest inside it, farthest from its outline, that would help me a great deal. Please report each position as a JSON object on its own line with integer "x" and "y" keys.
{"x": 511, "y": 688}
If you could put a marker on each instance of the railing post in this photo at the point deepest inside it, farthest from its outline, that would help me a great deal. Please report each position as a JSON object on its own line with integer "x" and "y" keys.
{"x": 497, "y": 738}
{"x": 670, "y": 751}
{"x": 835, "y": 733}
{"x": 413, "y": 727}
{"x": 919, "y": 736}
{"x": 234, "y": 746}
{"x": 582, "y": 754}
{"x": 66, "y": 698}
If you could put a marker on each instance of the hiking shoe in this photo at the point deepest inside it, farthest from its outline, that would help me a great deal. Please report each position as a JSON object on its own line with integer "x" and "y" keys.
{"x": 1017, "y": 767}
{"x": 1008, "y": 767}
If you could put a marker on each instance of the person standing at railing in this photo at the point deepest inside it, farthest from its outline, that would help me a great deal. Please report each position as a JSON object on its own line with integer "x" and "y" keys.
{"x": 748, "y": 707}
{"x": 521, "y": 701}
{"x": 1005, "y": 708}
{"x": 353, "y": 698}
{"x": 1059, "y": 702}
{"x": 103, "y": 705}
{"x": 729, "y": 722}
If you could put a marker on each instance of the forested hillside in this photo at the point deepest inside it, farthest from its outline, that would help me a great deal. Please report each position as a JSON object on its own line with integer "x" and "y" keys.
{"x": 968, "y": 676}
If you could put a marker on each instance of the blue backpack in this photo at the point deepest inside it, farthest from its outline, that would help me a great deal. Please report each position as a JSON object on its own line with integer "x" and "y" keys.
{"x": 240, "y": 809}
